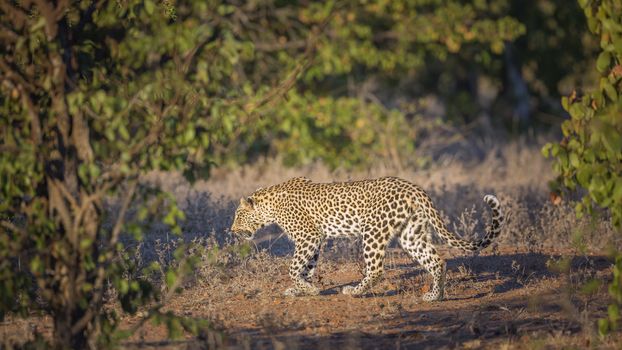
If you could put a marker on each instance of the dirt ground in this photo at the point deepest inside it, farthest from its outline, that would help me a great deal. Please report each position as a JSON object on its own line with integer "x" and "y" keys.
{"x": 502, "y": 299}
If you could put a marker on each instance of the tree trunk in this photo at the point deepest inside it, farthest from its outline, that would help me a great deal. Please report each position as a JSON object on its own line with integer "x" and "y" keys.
{"x": 63, "y": 337}
{"x": 521, "y": 113}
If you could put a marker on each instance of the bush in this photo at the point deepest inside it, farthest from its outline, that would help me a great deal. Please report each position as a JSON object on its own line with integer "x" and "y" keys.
{"x": 590, "y": 155}
{"x": 92, "y": 96}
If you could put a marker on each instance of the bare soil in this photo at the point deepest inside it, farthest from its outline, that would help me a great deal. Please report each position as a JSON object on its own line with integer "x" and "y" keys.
{"x": 499, "y": 299}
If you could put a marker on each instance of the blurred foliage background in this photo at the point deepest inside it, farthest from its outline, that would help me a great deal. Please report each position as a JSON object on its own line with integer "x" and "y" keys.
{"x": 95, "y": 93}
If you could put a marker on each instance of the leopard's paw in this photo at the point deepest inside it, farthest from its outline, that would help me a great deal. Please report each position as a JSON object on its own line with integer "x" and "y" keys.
{"x": 291, "y": 292}
{"x": 430, "y": 296}
{"x": 350, "y": 290}
{"x": 312, "y": 290}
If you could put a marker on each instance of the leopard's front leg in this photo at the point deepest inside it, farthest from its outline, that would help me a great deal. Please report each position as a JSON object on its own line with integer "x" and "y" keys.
{"x": 309, "y": 271}
{"x": 306, "y": 249}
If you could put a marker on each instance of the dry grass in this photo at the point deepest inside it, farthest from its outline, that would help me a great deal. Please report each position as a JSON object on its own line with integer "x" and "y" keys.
{"x": 515, "y": 172}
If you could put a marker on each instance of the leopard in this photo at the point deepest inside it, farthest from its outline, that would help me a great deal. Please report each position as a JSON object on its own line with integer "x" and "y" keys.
{"x": 376, "y": 210}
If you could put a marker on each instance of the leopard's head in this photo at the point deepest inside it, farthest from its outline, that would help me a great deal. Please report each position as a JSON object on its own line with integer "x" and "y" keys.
{"x": 248, "y": 219}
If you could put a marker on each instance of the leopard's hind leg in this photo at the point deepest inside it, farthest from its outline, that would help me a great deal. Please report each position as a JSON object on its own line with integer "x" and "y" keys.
{"x": 414, "y": 240}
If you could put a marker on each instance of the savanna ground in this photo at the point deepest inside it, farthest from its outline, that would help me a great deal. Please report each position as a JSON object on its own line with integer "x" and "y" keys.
{"x": 527, "y": 291}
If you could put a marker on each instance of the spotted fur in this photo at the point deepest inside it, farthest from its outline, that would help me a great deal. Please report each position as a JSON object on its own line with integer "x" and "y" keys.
{"x": 377, "y": 209}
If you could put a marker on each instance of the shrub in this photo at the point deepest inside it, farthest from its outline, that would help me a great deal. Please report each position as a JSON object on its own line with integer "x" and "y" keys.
{"x": 590, "y": 155}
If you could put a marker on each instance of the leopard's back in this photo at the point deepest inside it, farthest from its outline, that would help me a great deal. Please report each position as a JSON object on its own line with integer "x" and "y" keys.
{"x": 349, "y": 208}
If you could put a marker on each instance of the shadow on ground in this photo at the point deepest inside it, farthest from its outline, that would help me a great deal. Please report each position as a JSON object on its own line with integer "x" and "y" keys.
{"x": 517, "y": 311}
{"x": 425, "y": 329}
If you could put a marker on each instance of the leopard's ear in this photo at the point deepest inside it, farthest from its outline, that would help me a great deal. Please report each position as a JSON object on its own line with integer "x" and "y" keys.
{"x": 246, "y": 202}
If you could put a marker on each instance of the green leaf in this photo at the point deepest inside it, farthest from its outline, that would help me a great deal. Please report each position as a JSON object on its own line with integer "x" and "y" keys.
{"x": 546, "y": 149}
{"x": 86, "y": 243}
{"x": 171, "y": 278}
{"x": 149, "y": 7}
{"x": 617, "y": 190}
{"x": 583, "y": 176}
{"x": 577, "y": 111}
{"x": 189, "y": 134}
{"x": 611, "y": 92}
{"x": 591, "y": 286}
{"x": 613, "y": 311}
{"x": 35, "y": 265}
{"x": 565, "y": 102}
{"x": 125, "y": 135}
{"x": 579, "y": 209}
{"x": 174, "y": 328}
{"x": 124, "y": 286}
{"x": 87, "y": 287}
{"x": 603, "y": 327}
{"x": 612, "y": 140}
{"x": 244, "y": 250}
{"x": 603, "y": 61}
{"x": 574, "y": 160}
{"x": 94, "y": 171}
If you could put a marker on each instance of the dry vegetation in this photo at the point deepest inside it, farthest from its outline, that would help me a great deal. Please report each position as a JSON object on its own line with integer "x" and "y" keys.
{"x": 525, "y": 292}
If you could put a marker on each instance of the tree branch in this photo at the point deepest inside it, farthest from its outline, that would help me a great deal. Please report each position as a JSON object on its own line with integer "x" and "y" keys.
{"x": 307, "y": 59}
{"x": 80, "y": 137}
{"x": 101, "y": 271}
{"x": 47, "y": 11}
{"x": 7, "y": 33}
{"x": 33, "y": 113}
{"x": 59, "y": 11}
{"x": 18, "y": 16}
{"x": 129, "y": 194}
{"x": 17, "y": 78}
{"x": 52, "y": 15}
{"x": 57, "y": 203}
{"x": 66, "y": 194}
{"x": 288, "y": 45}
{"x": 12, "y": 227}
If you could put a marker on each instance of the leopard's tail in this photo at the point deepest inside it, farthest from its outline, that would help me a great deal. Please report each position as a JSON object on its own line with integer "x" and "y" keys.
{"x": 492, "y": 232}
